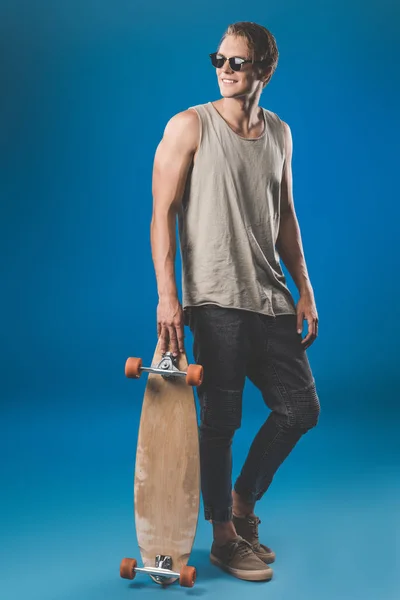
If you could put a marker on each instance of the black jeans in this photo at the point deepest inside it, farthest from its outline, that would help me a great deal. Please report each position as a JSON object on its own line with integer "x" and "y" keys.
{"x": 232, "y": 344}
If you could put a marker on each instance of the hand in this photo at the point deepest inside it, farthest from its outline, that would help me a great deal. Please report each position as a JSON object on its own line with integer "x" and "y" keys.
{"x": 306, "y": 309}
{"x": 170, "y": 325}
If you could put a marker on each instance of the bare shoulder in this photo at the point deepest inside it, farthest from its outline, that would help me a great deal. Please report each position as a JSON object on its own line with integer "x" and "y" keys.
{"x": 183, "y": 130}
{"x": 186, "y": 118}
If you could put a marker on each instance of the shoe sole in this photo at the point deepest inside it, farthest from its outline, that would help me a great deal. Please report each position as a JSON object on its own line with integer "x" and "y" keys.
{"x": 259, "y": 575}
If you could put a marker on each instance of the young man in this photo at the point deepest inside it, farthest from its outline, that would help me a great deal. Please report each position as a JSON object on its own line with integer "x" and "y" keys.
{"x": 224, "y": 168}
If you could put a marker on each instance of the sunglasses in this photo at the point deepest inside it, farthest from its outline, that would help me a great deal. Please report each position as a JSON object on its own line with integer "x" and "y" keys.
{"x": 235, "y": 62}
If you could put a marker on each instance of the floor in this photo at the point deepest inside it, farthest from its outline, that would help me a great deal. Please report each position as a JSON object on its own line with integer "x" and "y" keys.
{"x": 331, "y": 514}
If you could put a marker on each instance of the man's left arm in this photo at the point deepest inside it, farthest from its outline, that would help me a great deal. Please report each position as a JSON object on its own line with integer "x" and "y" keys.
{"x": 290, "y": 249}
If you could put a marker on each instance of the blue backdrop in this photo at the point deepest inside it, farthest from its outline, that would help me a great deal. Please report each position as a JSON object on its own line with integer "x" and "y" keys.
{"x": 86, "y": 91}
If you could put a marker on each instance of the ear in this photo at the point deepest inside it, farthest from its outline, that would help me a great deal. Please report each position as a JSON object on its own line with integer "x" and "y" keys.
{"x": 266, "y": 78}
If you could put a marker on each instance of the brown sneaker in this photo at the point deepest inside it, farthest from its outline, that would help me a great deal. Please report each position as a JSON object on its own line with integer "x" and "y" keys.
{"x": 247, "y": 528}
{"x": 237, "y": 558}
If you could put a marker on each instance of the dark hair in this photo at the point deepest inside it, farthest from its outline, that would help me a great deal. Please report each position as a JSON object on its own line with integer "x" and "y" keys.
{"x": 261, "y": 42}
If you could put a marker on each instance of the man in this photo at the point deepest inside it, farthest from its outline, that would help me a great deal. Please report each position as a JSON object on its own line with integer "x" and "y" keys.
{"x": 224, "y": 168}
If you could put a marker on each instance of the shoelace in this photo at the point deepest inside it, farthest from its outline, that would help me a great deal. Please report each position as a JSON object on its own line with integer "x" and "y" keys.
{"x": 242, "y": 547}
{"x": 254, "y": 523}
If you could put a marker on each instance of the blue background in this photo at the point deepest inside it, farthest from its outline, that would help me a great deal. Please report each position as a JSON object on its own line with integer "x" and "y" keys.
{"x": 86, "y": 91}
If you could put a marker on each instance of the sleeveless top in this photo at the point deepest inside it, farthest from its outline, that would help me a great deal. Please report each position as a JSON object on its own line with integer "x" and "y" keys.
{"x": 229, "y": 219}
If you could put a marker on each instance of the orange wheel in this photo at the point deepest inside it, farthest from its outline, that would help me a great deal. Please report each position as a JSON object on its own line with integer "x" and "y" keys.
{"x": 187, "y": 576}
{"x": 132, "y": 367}
{"x": 194, "y": 375}
{"x": 127, "y": 568}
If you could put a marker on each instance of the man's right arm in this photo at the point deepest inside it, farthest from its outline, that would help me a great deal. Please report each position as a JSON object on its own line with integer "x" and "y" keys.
{"x": 172, "y": 161}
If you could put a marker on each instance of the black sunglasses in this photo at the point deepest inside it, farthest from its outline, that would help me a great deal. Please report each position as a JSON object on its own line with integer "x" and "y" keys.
{"x": 235, "y": 62}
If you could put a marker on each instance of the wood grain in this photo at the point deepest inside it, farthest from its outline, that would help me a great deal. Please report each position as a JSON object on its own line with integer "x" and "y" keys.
{"x": 167, "y": 471}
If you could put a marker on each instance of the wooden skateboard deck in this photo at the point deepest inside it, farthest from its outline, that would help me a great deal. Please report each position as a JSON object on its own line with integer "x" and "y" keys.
{"x": 167, "y": 470}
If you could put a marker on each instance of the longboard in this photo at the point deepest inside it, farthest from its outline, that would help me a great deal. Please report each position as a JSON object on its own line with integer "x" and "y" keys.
{"x": 167, "y": 470}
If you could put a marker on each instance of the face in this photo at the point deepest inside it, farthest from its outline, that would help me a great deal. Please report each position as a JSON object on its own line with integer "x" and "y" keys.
{"x": 246, "y": 82}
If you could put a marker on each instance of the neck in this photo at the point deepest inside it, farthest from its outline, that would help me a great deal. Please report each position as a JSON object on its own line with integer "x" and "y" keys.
{"x": 244, "y": 115}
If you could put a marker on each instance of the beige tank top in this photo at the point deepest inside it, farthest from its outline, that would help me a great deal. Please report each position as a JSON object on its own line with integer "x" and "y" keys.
{"x": 229, "y": 221}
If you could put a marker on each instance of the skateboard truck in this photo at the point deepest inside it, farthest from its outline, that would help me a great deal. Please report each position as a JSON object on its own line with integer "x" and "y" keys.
{"x": 160, "y": 573}
{"x": 163, "y": 562}
{"x": 166, "y": 368}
